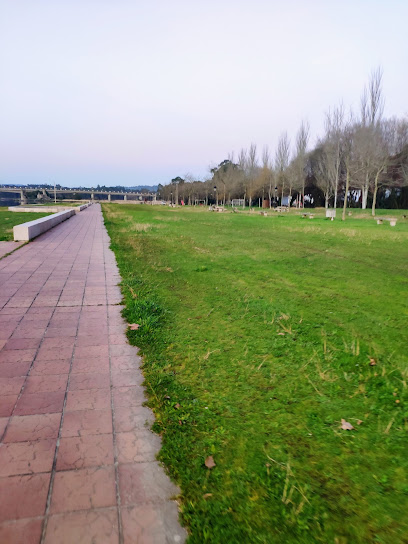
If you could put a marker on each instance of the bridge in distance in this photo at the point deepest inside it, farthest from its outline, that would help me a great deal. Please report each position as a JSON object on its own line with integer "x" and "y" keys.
{"x": 90, "y": 194}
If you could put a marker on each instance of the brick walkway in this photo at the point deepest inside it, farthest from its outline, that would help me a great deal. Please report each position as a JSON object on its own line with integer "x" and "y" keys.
{"x": 8, "y": 247}
{"x": 77, "y": 462}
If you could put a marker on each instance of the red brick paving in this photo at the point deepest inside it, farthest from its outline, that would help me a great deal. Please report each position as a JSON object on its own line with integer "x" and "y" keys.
{"x": 8, "y": 247}
{"x": 77, "y": 459}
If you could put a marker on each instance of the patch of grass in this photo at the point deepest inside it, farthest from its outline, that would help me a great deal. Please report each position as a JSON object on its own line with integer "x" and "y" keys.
{"x": 259, "y": 335}
{"x": 9, "y": 219}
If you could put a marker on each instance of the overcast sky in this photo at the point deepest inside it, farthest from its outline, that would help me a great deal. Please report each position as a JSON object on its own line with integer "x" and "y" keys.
{"x": 139, "y": 91}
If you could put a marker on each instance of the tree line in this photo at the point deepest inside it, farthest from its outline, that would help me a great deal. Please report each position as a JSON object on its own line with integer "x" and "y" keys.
{"x": 360, "y": 160}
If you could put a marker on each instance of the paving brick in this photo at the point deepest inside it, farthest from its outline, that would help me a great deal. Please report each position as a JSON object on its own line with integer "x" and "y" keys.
{"x": 11, "y": 386}
{"x": 85, "y": 451}
{"x": 44, "y": 368}
{"x": 129, "y": 396}
{"x": 119, "y": 339}
{"x": 26, "y": 457}
{"x": 39, "y": 403}
{"x": 22, "y": 343}
{"x": 127, "y": 378}
{"x": 83, "y": 489}
{"x": 137, "y": 447}
{"x": 91, "y": 351}
{"x": 58, "y": 343}
{"x": 152, "y": 524}
{"x": 3, "y": 424}
{"x": 128, "y": 363}
{"x": 131, "y": 418}
{"x": 84, "y": 422}
{"x": 93, "y": 340}
{"x": 36, "y": 427}
{"x": 141, "y": 483}
{"x": 89, "y": 381}
{"x": 17, "y": 355}
{"x": 13, "y": 370}
{"x": 52, "y": 382}
{"x": 23, "y": 531}
{"x": 88, "y": 399}
{"x": 52, "y": 354}
{"x": 100, "y": 364}
{"x": 29, "y": 332}
{"x": 88, "y": 527}
{"x": 7, "y": 403}
{"x": 61, "y": 332}
{"x": 23, "y": 496}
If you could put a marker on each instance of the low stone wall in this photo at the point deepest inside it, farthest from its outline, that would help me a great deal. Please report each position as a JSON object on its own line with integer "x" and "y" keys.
{"x": 32, "y": 229}
{"x": 48, "y": 209}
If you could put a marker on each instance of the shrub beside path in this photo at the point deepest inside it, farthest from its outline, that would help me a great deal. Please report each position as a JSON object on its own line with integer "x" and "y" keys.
{"x": 77, "y": 461}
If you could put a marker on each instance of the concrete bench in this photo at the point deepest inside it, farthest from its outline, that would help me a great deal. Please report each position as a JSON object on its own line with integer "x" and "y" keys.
{"x": 392, "y": 220}
{"x": 49, "y": 209}
{"x": 31, "y": 229}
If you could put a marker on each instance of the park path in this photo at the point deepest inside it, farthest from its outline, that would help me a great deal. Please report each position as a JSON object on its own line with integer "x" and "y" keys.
{"x": 77, "y": 462}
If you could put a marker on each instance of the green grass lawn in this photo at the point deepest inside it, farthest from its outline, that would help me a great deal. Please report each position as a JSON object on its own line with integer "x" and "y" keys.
{"x": 9, "y": 219}
{"x": 259, "y": 335}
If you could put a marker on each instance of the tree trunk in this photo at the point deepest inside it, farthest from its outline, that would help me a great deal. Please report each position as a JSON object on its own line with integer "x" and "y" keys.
{"x": 343, "y": 217}
{"x": 375, "y": 193}
{"x": 364, "y": 196}
{"x": 326, "y": 197}
{"x": 336, "y": 185}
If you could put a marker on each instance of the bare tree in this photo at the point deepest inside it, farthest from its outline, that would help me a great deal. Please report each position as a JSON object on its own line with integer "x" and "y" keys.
{"x": 267, "y": 172}
{"x": 242, "y": 163}
{"x": 251, "y": 172}
{"x": 367, "y": 136}
{"x": 319, "y": 162}
{"x": 372, "y": 100}
{"x": 334, "y": 126}
{"x": 282, "y": 160}
{"x": 302, "y": 139}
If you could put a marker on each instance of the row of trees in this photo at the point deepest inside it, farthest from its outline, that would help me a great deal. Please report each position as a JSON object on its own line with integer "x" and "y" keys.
{"x": 359, "y": 158}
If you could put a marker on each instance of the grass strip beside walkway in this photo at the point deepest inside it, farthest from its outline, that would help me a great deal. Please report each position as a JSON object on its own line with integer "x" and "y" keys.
{"x": 260, "y": 335}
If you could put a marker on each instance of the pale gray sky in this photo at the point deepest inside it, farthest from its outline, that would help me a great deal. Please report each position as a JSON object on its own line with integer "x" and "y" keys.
{"x": 137, "y": 92}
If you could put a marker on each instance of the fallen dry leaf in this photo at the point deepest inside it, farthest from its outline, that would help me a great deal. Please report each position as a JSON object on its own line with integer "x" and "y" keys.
{"x": 207, "y": 495}
{"x": 134, "y": 326}
{"x": 372, "y": 362}
{"x": 281, "y": 334}
{"x": 346, "y": 426}
{"x": 177, "y": 406}
{"x": 359, "y": 421}
{"x": 209, "y": 462}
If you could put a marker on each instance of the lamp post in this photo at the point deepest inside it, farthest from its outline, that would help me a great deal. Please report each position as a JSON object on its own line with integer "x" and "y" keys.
{"x": 276, "y": 189}
{"x": 55, "y": 194}
{"x": 171, "y": 198}
{"x": 215, "y": 195}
